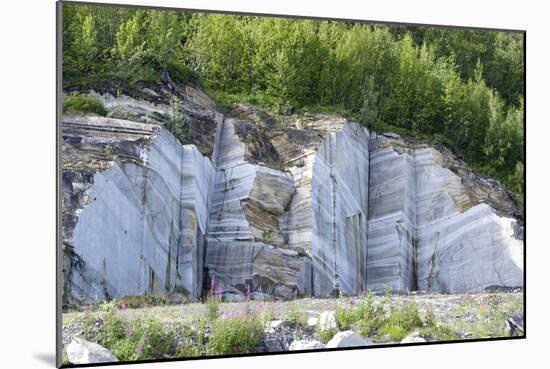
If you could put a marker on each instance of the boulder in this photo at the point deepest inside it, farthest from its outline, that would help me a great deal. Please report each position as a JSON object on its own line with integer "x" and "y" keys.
{"x": 327, "y": 320}
{"x": 274, "y": 345}
{"x": 414, "y": 337}
{"x": 274, "y": 325}
{"x": 515, "y": 325}
{"x": 312, "y": 321}
{"x": 80, "y": 351}
{"x": 306, "y": 345}
{"x": 347, "y": 339}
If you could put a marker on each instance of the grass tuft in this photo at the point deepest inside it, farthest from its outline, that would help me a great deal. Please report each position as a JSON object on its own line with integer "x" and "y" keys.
{"x": 84, "y": 104}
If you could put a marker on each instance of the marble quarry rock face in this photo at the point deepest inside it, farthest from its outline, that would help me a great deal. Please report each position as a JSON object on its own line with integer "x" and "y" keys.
{"x": 296, "y": 212}
{"x": 430, "y": 227}
{"x": 317, "y": 207}
{"x": 135, "y": 219}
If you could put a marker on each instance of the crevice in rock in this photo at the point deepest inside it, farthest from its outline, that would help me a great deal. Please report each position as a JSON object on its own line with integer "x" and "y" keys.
{"x": 434, "y": 262}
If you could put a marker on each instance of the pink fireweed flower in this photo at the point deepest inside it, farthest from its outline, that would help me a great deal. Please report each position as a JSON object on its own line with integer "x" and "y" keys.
{"x": 128, "y": 332}
{"x": 247, "y": 293}
{"x": 138, "y": 349}
{"x": 212, "y": 285}
{"x": 219, "y": 293}
{"x": 123, "y": 306}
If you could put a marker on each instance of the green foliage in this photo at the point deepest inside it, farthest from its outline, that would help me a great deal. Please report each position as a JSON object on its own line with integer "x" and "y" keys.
{"x": 365, "y": 318}
{"x": 390, "y": 319}
{"x": 217, "y": 50}
{"x": 296, "y": 315}
{"x": 212, "y": 308}
{"x": 143, "y": 338}
{"x": 464, "y": 86}
{"x": 494, "y": 319}
{"x": 83, "y": 104}
{"x": 401, "y": 320}
{"x": 163, "y": 36}
{"x": 176, "y": 124}
{"x": 325, "y": 334}
{"x": 517, "y": 182}
{"x": 138, "y": 301}
{"x": 438, "y": 333}
{"x": 235, "y": 335}
{"x": 193, "y": 340}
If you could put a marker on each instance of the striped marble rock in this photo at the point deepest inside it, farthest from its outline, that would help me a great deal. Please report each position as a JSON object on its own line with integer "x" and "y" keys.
{"x": 143, "y": 214}
{"x": 143, "y": 228}
{"x": 426, "y": 231}
{"x": 469, "y": 252}
{"x": 392, "y": 213}
{"x": 339, "y": 207}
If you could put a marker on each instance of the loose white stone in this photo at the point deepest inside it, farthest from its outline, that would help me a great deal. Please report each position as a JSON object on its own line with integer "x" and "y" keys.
{"x": 80, "y": 351}
{"x": 312, "y": 321}
{"x": 413, "y": 338}
{"x": 306, "y": 345}
{"x": 327, "y": 320}
{"x": 347, "y": 339}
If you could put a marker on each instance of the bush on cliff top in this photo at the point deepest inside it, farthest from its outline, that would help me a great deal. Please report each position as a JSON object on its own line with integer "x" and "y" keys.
{"x": 83, "y": 104}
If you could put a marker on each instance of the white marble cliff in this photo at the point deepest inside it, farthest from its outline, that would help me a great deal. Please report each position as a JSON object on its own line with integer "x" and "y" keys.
{"x": 429, "y": 228}
{"x": 343, "y": 211}
{"x": 142, "y": 226}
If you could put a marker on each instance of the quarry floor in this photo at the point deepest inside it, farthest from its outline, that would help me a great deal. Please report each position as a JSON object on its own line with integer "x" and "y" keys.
{"x": 471, "y": 315}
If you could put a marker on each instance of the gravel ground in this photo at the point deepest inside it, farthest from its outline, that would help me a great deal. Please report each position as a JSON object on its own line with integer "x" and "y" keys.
{"x": 467, "y": 314}
{"x": 478, "y": 315}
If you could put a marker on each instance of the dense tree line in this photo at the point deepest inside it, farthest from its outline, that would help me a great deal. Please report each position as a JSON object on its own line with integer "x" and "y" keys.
{"x": 464, "y": 87}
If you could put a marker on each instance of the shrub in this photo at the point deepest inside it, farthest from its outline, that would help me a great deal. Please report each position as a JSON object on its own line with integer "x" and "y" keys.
{"x": 429, "y": 319}
{"x": 326, "y": 334}
{"x": 493, "y": 316}
{"x": 152, "y": 336}
{"x": 433, "y": 331}
{"x": 395, "y": 322}
{"x": 296, "y": 315}
{"x": 191, "y": 341}
{"x": 365, "y": 318}
{"x": 188, "y": 349}
{"x": 138, "y": 301}
{"x": 402, "y": 319}
{"x": 235, "y": 335}
{"x": 212, "y": 308}
{"x": 439, "y": 333}
{"x": 346, "y": 317}
{"x": 394, "y": 332}
{"x": 83, "y": 104}
{"x": 112, "y": 329}
{"x": 142, "y": 338}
